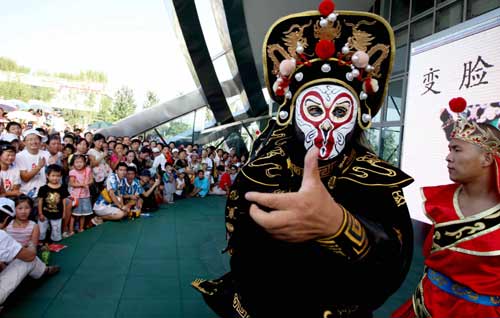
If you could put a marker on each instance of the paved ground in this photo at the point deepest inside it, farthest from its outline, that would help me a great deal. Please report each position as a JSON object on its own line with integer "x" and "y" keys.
{"x": 143, "y": 268}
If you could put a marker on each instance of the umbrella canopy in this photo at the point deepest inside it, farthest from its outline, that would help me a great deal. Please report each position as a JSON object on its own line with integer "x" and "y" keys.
{"x": 22, "y": 116}
{"x": 20, "y": 104}
{"x": 38, "y": 104}
{"x": 7, "y": 106}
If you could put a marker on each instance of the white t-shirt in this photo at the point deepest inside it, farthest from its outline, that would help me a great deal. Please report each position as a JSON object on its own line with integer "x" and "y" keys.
{"x": 10, "y": 178}
{"x": 27, "y": 162}
{"x": 9, "y": 248}
{"x": 160, "y": 162}
{"x": 101, "y": 170}
{"x": 209, "y": 162}
{"x": 179, "y": 182}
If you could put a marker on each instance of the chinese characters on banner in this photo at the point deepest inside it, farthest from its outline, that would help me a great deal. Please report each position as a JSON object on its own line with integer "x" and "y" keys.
{"x": 472, "y": 76}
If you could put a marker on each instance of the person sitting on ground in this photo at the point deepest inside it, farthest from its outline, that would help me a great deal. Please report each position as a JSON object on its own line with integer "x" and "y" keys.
{"x": 51, "y": 204}
{"x": 132, "y": 190}
{"x": 22, "y": 229}
{"x": 17, "y": 261}
{"x": 149, "y": 203}
{"x": 223, "y": 184}
{"x": 201, "y": 185}
{"x": 109, "y": 205}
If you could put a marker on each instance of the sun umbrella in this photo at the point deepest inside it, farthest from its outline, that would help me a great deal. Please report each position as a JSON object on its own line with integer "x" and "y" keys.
{"x": 20, "y": 104}
{"x": 22, "y": 115}
{"x": 6, "y": 106}
{"x": 38, "y": 104}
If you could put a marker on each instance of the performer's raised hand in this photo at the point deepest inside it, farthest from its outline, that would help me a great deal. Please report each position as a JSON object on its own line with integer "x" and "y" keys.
{"x": 308, "y": 214}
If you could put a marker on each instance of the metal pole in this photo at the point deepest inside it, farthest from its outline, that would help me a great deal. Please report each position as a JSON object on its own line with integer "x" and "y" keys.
{"x": 159, "y": 135}
{"x": 194, "y": 123}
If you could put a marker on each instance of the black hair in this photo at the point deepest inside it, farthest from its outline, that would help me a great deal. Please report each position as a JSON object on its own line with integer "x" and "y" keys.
{"x": 6, "y": 146}
{"x": 70, "y": 136}
{"x": 69, "y": 146}
{"x": 88, "y": 132}
{"x": 76, "y": 156}
{"x": 53, "y": 137}
{"x": 220, "y": 168}
{"x": 54, "y": 168}
{"x": 12, "y": 123}
{"x": 131, "y": 168}
{"x": 99, "y": 136}
{"x": 121, "y": 164}
{"x": 24, "y": 198}
{"x": 84, "y": 140}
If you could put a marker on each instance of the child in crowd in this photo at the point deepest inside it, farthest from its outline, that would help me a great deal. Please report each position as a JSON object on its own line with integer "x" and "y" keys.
{"x": 168, "y": 184}
{"x": 149, "y": 186}
{"x": 80, "y": 178}
{"x": 180, "y": 184}
{"x": 132, "y": 190}
{"x": 21, "y": 229}
{"x": 51, "y": 204}
{"x": 10, "y": 176}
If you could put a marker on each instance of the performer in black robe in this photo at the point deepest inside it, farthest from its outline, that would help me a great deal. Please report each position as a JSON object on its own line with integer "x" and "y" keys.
{"x": 317, "y": 224}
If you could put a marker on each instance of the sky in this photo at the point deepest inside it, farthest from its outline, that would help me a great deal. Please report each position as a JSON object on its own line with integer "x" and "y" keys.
{"x": 131, "y": 41}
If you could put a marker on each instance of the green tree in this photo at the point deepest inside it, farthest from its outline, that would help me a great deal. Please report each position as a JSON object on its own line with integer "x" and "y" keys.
{"x": 10, "y": 65}
{"x": 79, "y": 118}
{"x": 174, "y": 128}
{"x": 123, "y": 103}
{"x": 18, "y": 90}
{"x": 105, "y": 109}
{"x": 151, "y": 99}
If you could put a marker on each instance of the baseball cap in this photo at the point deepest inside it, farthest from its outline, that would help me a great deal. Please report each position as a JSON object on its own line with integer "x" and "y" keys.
{"x": 8, "y": 206}
{"x": 175, "y": 150}
{"x": 155, "y": 150}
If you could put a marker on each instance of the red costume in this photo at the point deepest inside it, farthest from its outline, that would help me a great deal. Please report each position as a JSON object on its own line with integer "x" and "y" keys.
{"x": 462, "y": 254}
{"x": 472, "y": 260}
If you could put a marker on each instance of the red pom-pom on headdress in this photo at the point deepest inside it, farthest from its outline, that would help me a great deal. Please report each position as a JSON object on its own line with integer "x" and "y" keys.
{"x": 458, "y": 104}
{"x": 324, "y": 49}
{"x": 326, "y": 7}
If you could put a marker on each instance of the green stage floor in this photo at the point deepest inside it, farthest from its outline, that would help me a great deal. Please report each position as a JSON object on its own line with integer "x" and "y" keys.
{"x": 143, "y": 268}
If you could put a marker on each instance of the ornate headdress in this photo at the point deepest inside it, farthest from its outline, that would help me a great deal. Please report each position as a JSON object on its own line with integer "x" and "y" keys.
{"x": 351, "y": 49}
{"x": 462, "y": 123}
{"x": 466, "y": 128}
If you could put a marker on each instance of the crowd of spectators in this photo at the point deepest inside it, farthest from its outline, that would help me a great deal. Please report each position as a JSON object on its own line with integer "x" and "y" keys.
{"x": 53, "y": 186}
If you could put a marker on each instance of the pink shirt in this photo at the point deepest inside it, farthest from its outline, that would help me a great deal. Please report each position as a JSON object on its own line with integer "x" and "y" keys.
{"x": 21, "y": 234}
{"x": 82, "y": 176}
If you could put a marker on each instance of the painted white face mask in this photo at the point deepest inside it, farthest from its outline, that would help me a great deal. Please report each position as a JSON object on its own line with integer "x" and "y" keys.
{"x": 326, "y": 114}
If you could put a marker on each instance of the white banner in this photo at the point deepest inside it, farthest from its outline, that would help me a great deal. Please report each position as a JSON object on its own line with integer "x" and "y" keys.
{"x": 466, "y": 64}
